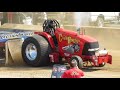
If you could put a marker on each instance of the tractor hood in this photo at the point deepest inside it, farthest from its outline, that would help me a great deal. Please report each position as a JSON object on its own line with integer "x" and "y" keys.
{"x": 67, "y": 32}
{"x": 83, "y": 38}
{"x": 87, "y": 38}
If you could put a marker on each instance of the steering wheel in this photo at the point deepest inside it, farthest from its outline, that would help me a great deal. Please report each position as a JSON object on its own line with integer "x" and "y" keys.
{"x": 50, "y": 26}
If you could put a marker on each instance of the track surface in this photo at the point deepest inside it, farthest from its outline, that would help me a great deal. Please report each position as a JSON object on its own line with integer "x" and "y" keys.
{"x": 109, "y": 71}
{"x": 45, "y": 72}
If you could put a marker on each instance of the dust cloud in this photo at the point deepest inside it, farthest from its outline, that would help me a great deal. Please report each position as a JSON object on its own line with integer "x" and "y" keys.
{"x": 81, "y": 19}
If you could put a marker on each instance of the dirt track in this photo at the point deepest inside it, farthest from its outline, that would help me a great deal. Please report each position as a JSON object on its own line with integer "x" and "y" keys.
{"x": 107, "y": 38}
{"x": 45, "y": 72}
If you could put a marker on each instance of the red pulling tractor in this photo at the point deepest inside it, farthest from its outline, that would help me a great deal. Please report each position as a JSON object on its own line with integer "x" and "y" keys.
{"x": 56, "y": 45}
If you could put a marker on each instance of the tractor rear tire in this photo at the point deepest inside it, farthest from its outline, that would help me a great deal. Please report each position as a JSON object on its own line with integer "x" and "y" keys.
{"x": 79, "y": 61}
{"x": 42, "y": 47}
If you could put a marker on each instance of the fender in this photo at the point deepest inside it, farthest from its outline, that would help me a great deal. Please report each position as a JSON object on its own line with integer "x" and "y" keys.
{"x": 48, "y": 37}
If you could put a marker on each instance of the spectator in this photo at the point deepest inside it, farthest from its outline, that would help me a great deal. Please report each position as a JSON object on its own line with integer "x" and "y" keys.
{"x": 74, "y": 72}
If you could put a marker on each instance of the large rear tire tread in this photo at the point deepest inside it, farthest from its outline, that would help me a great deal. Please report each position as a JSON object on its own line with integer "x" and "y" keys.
{"x": 43, "y": 51}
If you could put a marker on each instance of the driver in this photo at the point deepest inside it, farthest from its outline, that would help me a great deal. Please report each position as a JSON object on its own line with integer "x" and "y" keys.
{"x": 50, "y": 27}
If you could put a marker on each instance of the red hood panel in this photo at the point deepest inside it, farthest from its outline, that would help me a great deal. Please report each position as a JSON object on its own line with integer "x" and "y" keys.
{"x": 87, "y": 38}
{"x": 84, "y": 38}
{"x": 66, "y": 31}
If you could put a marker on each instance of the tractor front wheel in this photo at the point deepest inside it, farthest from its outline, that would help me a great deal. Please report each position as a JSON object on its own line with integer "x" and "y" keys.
{"x": 79, "y": 61}
{"x": 102, "y": 64}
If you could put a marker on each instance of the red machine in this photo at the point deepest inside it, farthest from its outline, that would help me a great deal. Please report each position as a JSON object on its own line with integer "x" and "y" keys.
{"x": 58, "y": 45}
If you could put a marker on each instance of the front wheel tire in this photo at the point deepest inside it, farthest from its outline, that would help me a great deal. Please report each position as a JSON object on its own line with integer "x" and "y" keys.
{"x": 102, "y": 64}
{"x": 78, "y": 60}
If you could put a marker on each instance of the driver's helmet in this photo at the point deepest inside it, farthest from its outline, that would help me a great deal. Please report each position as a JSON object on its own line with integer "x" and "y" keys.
{"x": 51, "y": 24}
{"x": 50, "y": 28}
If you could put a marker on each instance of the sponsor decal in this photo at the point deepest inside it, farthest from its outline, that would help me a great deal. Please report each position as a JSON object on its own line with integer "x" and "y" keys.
{"x": 74, "y": 73}
{"x": 68, "y": 39}
{"x": 15, "y": 35}
{"x": 71, "y": 49}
